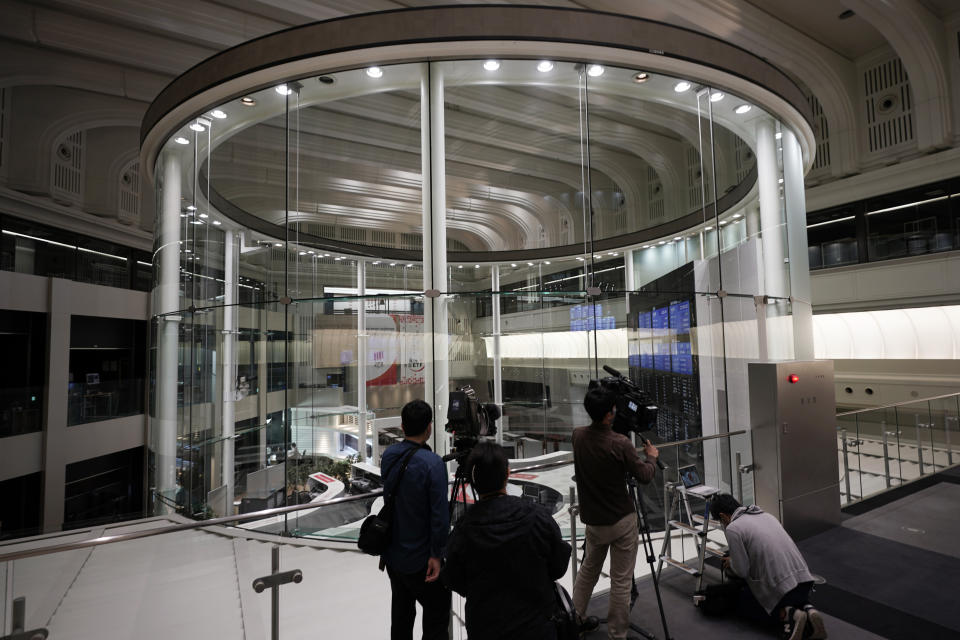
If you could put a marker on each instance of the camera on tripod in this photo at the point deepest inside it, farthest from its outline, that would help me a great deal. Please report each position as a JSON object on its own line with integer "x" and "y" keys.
{"x": 636, "y": 410}
{"x": 468, "y": 418}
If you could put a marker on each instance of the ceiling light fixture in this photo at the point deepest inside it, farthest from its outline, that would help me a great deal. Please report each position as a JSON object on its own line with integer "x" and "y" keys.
{"x": 513, "y": 264}
{"x": 247, "y": 101}
{"x": 375, "y": 72}
{"x": 203, "y": 215}
{"x": 662, "y": 242}
{"x": 392, "y": 264}
{"x": 546, "y": 262}
{"x": 218, "y": 114}
{"x": 723, "y": 222}
{"x": 491, "y": 65}
{"x": 682, "y": 86}
{"x": 196, "y": 126}
{"x": 181, "y": 140}
{"x": 738, "y": 215}
{"x": 679, "y": 238}
{"x": 641, "y": 77}
{"x": 742, "y": 109}
{"x": 459, "y": 266}
{"x": 476, "y": 266}
{"x": 410, "y": 265}
{"x": 529, "y": 264}
{"x": 283, "y": 90}
{"x": 216, "y": 223}
{"x": 191, "y": 207}
{"x": 716, "y": 96}
{"x": 779, "y": 135}
{"x": 595, "y": 70}
{"x": 708, "y": 228}
{"x": 545, "y": 66}
{"x": 279, "y": 244}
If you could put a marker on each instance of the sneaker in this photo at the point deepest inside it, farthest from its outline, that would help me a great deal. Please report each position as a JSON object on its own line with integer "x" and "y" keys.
{"x": 816, "y": 630}
{"x": 794, "y": 625}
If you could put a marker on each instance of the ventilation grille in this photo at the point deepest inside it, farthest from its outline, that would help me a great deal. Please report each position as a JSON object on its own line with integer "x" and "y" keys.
{"x": 744, "y": 157}
{"x": 353, "y": 234}
{"x": 67, "y": 169}
{"x": 821, "y": 134}
{"x": 411, "y": 241}
{"x": 383, "y": 238}
{"x": 654, "y": 195}
{"x": 129, "y": 201}
{"x": 695, "y": 184}
{"x": 327, "y": 231}
{"x": 888, "y": 106}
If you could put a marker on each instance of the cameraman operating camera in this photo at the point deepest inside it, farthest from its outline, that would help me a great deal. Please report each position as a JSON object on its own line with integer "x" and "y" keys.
{"x": 602, "y": 459}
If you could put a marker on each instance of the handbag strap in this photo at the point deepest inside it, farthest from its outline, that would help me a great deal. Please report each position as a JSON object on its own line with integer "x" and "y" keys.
{"x": 388, "y": 501}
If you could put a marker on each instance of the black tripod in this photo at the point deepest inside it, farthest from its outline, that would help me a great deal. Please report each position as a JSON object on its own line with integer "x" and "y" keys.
{"x": 459, "y": 491}
{"x": 644, "y": 529}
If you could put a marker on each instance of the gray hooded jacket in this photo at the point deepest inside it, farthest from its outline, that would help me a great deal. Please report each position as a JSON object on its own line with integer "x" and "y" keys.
{"x": 764, "y": 555}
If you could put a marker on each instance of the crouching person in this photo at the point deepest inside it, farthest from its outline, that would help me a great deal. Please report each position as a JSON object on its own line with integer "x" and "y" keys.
{"x": 777, "y": 580}
{"x": 503, "y": 556}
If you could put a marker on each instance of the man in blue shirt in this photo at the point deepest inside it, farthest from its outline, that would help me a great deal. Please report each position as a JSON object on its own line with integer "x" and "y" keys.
{"x": 421, "y": 523}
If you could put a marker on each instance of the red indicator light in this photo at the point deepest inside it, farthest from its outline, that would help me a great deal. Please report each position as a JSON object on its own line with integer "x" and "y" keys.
{"x": 793, "y": 378}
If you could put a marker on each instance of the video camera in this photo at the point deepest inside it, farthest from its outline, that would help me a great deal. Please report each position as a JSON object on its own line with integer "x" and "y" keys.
{"x": 636, "y": 410}
{"x": 468, "y": 418}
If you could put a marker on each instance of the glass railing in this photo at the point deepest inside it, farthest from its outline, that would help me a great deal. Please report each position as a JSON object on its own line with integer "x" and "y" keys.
{"x": 21, "y": 410}
{"x": 884, "y": 447}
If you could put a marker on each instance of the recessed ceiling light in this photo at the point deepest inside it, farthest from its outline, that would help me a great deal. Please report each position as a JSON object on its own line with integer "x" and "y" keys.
{"x": 595, "y": 70}
{"x": 191, "y": 207}
{"x": 196, "y": 222}
{"x": 279, "y": 244}
{"x": 410, "y": 265}
{"x": 311, "y": 252}
{"x": 737, "y": 215}
{"x": 491, "y": 65}
{"x": 779, "y": 180}
{"x": 459, "y": 266}
{"x": 216, "y": 222}
{"x": 662, "y": 242}
{"x": 247, "y": 101}
{"x": 646, "y": 246}
{"x": 708, "y": 228}
{"x": 196, "y": 126}
{"x": 723, "y": 222}
{"x": 779, "y": 135}
{"x": 546, "y": 262}
{"x": 392, "y": 264}
{"x": 375, "y": 72}
{"x": 283, "y": 90}
{"x": 545, "y": 66}
{"x": 376, "y": 262}
{"x": 529, "y": 264}
{"x": 203, "y": 215}
{"x": 218, "y": 114}
{"x": 742, "y": 109}
{"x": 476, "y": 266}
{"x": 326, "y": 255}
{"x": 303, "y": 253}
{"x": 513, "y": 264}
{"x": 682, "y": 86}
{"x": 641, "y": 77}
{"x": 181, "y": 140}
{"x": 679, "y": 238}
{"x": 716, "y": 96}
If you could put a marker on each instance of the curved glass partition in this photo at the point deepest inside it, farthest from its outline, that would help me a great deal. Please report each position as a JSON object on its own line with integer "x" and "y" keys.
{"x": 335, "y": 245}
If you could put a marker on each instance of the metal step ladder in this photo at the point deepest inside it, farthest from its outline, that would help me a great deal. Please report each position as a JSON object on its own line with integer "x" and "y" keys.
{"x": 696, "y": 525}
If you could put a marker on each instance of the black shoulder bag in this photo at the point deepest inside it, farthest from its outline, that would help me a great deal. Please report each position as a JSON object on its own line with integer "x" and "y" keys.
{"x": 374, "y": 535}
{"x": 565, "y": 618}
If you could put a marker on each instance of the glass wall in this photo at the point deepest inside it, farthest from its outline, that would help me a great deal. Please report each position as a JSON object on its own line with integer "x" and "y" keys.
{"x": 23, "y": 338}
{"x": 332, "y": 247}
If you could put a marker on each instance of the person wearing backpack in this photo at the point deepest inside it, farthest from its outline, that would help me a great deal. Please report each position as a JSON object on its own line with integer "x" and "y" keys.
{"x": 416, "y": 478}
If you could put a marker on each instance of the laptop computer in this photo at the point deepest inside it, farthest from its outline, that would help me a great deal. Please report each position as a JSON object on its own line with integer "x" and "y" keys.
{"x": 693, "y": 483}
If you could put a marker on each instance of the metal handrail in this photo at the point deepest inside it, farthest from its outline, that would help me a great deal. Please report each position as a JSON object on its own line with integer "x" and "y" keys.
{"x": 257, "y": 515}
{"x": 897, "y": 404}
{"x": 184, "y": 526}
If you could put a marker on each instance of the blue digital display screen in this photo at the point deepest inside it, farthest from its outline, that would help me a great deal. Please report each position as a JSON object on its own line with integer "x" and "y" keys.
{"x": 644, "y": 320}
{"x": 682, "y": 358}
{"x": 680, "y": 316}
{"x": 661, "y": 318}
{"x": 661, "y": 356}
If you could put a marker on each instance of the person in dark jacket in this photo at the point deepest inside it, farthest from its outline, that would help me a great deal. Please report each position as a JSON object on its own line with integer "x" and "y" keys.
{"x": 503, "y": 556}
{"x": 421, "y": 521}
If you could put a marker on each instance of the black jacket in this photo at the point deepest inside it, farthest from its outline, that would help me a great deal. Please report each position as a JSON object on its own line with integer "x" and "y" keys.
{"x": 503, "y": 556}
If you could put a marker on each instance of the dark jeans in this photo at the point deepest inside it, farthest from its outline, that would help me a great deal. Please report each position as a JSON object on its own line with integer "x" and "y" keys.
{"x": 749, "y": 608}
{"x": 410, "y": 588}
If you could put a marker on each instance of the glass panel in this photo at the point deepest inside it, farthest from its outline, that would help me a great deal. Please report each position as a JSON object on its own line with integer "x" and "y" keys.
{"x": 23, "y": 339}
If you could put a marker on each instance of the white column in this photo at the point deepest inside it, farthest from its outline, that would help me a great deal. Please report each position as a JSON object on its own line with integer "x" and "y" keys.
{"x": 362, "y": 364}
{"x": 772, "y": 228}
{"x": 167, "y": 301}
{"x": 796, "y": 209}
{"x": 497, "y": 360}
{"x": 435, "y": 324}
{"x": 229, "y": 376}
{"x": 629, "y": 271}
{"x": 753, "y": 221}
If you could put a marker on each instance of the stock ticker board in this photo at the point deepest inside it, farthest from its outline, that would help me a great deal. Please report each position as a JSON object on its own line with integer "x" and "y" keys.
{"x": 662, "y": 358}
